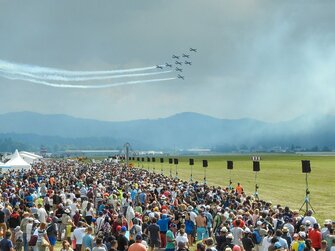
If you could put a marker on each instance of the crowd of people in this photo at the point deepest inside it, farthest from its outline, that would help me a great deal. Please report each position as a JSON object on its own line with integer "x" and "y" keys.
{"x": 110, "y": 206}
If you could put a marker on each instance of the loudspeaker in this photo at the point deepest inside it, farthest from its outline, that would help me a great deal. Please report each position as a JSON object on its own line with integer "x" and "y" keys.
{"x": 230, "y": 164}
{"x": 170, "y": 161}
{"x": 148, "y": 159}
{"x": 162, "y": 160}
{"x": 256, "y": 167}
{"x": 142, "y": 159}
{"x": 175, "y": 161}
{"x": 191, "y": 162}
{"x": 306, "y": 166}
{"x": 153, "y": 159}
{"x": 204, "y": 163}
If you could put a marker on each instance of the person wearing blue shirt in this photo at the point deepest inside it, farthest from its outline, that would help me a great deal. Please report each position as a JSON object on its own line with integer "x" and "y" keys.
{"x": 6, "y": 244}
{"x": 163, "y": 224}
{"x": 29, "y": 200}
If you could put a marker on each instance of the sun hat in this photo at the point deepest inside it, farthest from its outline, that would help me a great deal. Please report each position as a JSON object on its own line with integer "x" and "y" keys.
{"x": 285, "y": 229}
{"x": 224, "y": 230}
{"x": 230, "y": 236}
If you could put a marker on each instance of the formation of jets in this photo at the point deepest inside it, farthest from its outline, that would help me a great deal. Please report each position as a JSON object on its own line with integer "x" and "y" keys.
{"x": 178, "y": 64}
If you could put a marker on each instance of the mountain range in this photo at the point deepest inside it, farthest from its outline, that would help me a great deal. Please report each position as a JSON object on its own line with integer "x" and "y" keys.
{"x": 180, "y": 131}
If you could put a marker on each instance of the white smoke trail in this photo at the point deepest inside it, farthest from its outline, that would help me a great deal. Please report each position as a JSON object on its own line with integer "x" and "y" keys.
{"x": 32, "y": 69}
{"x": 41, "y": 82}
{"x": 80, "y": 78}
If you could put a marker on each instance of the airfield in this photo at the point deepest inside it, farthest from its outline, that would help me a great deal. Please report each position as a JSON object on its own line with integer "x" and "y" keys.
{"x": 280, "y": 179}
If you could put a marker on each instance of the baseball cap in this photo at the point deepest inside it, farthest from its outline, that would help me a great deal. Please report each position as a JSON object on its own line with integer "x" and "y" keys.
{"x": 302, "y": 234}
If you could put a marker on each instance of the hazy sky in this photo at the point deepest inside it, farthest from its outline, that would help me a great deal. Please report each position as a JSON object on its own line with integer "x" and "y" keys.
{"x": 269, "y": 60}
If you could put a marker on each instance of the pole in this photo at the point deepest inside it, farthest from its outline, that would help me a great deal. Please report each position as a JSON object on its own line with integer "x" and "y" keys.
{"x": 256, "y": 187}
{"x": 191, "y": 177}
{"x": 127, "y": 145}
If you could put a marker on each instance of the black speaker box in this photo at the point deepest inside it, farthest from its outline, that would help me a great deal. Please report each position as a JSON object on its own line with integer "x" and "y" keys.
{"x": 204, "y": 163}
{"x": 306, "y": 166}
{"x": 175, "y": 161}
{"x": 142, "y": 159}
{"x": 153, "y": 159}
{"x": 191, "y": 162}
{"x": 256, "y": 167}
{"x": 170, "y": 161}
{"x": 162, "y": 160}
{"x": 230, "y": 164}
{"x": 148, "y": 159}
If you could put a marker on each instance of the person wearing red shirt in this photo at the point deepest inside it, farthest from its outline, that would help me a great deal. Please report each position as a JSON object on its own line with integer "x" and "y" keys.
{"x": 315, "y": 235}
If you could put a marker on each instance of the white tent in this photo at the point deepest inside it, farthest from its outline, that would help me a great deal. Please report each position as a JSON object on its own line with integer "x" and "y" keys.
{"x": 16, "y": 163}
{"x": 30, "y": 157}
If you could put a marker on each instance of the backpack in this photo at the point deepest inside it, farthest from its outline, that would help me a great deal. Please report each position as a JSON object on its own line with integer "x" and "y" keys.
{"x": 51, "y": 230}
{"x": 256, "y": 237}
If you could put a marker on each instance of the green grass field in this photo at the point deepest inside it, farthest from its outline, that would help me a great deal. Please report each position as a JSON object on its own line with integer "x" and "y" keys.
{"x": 280, "y": 179}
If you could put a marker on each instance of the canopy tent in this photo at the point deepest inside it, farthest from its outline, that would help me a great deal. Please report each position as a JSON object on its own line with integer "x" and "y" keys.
{"x": 16, "y": 163}
{"x": 30, "y": 157}
{"x": 36, "y": 156}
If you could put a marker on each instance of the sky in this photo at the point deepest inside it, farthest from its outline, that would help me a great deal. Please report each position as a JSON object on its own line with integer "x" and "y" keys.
{"x": 268, "y": 60}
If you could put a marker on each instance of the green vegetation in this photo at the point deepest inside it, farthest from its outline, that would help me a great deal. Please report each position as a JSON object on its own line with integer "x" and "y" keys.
{"x": 280, "y": 179}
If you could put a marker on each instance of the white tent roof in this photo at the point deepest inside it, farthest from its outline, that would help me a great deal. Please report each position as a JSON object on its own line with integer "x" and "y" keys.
{"x": 17, "y": 162}
{"x": 32, "y": 155}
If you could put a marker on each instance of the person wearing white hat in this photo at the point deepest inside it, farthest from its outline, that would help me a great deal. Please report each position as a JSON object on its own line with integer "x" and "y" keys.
{"x": 247, "y": 242}
{"x": 309, "y": 218}
{"x": 18, "y": 237}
